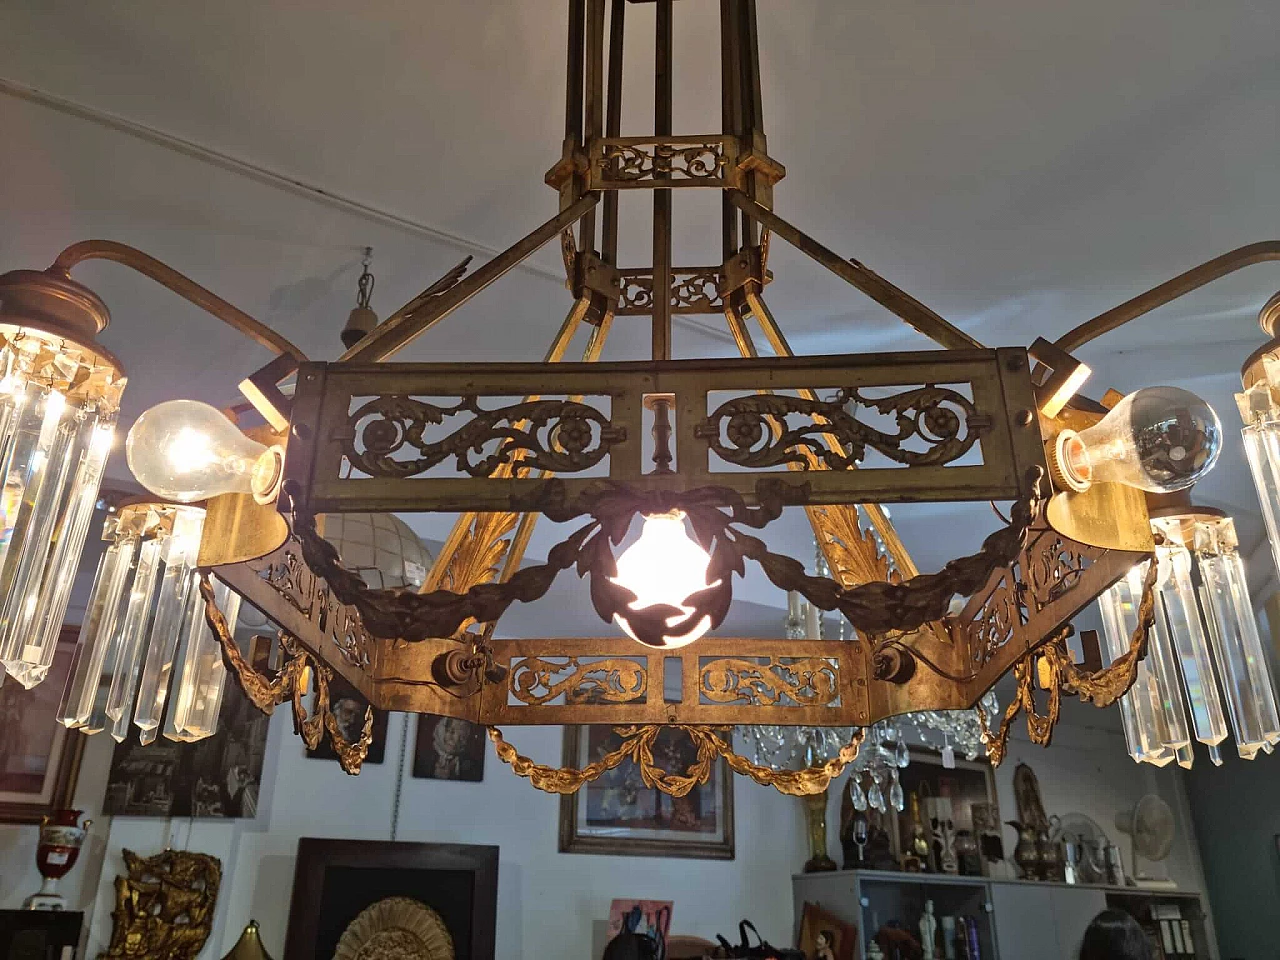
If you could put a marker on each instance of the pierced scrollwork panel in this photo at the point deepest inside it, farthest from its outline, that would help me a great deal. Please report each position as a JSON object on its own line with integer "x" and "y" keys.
{"x": 998, "y": 620}
{"x": 538, "y": 681}
{"x": 629, "y": 162}
{"x": 694, "y": 290}
{"x": 932, "y": 426}
{"x": 770, "y": 681}
{"x": 389, "y": 436}
{"x": 1055, "y": 566}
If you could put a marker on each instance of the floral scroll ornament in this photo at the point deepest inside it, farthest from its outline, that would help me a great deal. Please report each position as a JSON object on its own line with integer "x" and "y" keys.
{"x": 564, "y": 436}
{"x": 741, "y": 431}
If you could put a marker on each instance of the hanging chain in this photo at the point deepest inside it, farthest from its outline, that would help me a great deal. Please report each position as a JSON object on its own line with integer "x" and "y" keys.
{"x": 364, "y": 286}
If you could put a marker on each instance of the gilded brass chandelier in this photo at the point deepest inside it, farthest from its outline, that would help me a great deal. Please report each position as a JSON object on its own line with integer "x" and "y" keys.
{"x": 705, "y": 452}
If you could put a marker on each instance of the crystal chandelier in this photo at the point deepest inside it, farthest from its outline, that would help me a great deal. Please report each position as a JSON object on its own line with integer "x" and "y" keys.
{"x": 697, "y": 455}
{"x": 886, "y": 747}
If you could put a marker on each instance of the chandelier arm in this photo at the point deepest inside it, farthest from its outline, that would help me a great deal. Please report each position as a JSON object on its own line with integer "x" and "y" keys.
{"x": 899, "y": 302}
{"x": 884, "y": 527}
{"x": 183, "y": 286}
{"x": 1170, "y": 290}
{"x": 398, "y": 331}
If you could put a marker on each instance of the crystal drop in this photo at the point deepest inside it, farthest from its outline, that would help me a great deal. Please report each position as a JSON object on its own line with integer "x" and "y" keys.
{"x": 895, "y": 792}
{"x": 948, "y": 755}
{"x": 903, "y": 756}
{"x": 855, "y": 791}
{"x": 874, "y": 796}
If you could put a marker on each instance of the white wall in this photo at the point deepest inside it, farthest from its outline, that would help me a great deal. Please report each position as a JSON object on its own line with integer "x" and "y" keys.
{"x": 549, "y": 904}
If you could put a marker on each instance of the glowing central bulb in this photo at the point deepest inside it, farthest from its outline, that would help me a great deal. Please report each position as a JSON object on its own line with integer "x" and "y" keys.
{"x": 664, "y": 566}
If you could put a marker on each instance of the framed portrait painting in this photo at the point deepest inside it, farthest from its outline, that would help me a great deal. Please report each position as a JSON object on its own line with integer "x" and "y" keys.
{"x": 448, "y": 748}
{"x": 349, "y": 709}
{"x": 618, "y": 815}
{"x": 39, "y": 757}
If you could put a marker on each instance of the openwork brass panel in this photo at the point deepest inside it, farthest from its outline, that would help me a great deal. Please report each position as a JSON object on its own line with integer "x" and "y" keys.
{"x": 694, "y": 290}
{"x": 1027, "y": 602}
{"x": 621, "y": 163}
{"x": 715, "y": 681}
{"x": 771, "y": 681}
{"x": 969, "y": 406}
{"x": 562, "y": 435}
{"x": 741, "y": 431}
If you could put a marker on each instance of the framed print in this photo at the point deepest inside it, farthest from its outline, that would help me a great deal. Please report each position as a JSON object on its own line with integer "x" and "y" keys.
{"x": 618, "y": 814}
{"x": 968, "y": 789}
{"x": 448, "y": 748}
{"x": 217, "y": 777}
{"x": 354, "y": 899}
{"x": 39, "y": 757}
{"x": 348, "y": 707}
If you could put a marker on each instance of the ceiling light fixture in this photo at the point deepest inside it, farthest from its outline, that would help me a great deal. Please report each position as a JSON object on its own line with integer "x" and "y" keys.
{"x": 735, "y": 441}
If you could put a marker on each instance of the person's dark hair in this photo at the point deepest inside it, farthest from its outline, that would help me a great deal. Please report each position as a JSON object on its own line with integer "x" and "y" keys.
{"x": 1114, "y": 935}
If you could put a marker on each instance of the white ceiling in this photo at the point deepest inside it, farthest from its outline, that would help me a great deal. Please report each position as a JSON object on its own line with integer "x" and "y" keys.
{"x": 1017, "y": 166}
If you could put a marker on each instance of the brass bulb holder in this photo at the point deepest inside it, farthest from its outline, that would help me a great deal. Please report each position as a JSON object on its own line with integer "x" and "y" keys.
{"x": 50, "y": 305}
{"x": 1057, "y": 454}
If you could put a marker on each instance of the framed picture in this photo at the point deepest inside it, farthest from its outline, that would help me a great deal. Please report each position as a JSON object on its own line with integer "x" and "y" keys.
{"x": 217, "y": 777}
{"x": 361, "y": 898}
{"x": 39, "y": 757}
{"x": 448, "y": 748}
{"x": 618, "y": 814}
{"x": 349, "y": 707}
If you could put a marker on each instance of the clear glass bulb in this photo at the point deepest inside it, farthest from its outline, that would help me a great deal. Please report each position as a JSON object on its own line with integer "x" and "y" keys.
{"x": 186, "y": 451}
{"x": 1160, "y": 439}
{"x": 664, "y": 566}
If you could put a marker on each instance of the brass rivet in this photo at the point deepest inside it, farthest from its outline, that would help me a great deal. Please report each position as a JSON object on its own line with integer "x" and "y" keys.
{"x": 1025, "y": 418}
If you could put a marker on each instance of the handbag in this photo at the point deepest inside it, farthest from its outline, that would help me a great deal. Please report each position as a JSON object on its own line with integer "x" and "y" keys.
{"x": 761, "y": 951}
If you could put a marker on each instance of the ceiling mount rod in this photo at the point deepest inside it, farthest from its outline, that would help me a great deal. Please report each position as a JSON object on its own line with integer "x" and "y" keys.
{"x": 662, "y": 101}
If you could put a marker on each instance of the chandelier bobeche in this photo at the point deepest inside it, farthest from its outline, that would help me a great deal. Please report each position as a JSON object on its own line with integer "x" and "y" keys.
{"x": 708, "y": 451}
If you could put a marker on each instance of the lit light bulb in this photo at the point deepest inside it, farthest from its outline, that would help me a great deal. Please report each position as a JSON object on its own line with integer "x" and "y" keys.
{"x": 664, "y": 567}
{"x": 186, "y": 451}
{"x": 1160, "y": 439}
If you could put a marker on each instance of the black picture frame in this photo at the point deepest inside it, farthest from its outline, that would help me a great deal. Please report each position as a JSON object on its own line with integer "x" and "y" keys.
{"x": 349, "y": 707}
{"x": 461, "y": 755}
{"x": 328, "y": 869}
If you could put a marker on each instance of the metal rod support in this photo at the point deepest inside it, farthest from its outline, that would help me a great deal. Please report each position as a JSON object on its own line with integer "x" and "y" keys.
{"x": 898, "y": 301}
{"x": 662, "y": 197}
{"x": 402, "y": 327}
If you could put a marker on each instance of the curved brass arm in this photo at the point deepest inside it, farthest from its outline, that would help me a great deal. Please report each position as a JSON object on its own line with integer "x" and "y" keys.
{"x": 1170, "y": 290}
{"x": 183, "y": 286}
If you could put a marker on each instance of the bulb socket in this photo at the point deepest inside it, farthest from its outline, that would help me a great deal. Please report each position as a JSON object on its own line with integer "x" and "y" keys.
{"x": 1065, "y": 454}
{"x": 268, "y": 474}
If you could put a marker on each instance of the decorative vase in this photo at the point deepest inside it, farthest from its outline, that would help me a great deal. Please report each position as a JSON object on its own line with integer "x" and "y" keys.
{"x": 61, "y": 836}
{"x": 1027, "y": 853}
{"x": 815, "y": 815}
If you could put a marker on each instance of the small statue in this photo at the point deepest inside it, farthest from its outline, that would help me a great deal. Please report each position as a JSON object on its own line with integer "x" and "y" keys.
{"x": 874, "y": 952}
{"x": 918, "y": 847}
{"x": 928, "y": 931}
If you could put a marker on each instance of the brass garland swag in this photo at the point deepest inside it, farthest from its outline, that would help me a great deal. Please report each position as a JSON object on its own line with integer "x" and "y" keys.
{"x": 298, "y": 670}
{"x": 734, "y": 442}
{"x": 1102, "y": 688}
{"x": 874, "y": 607}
